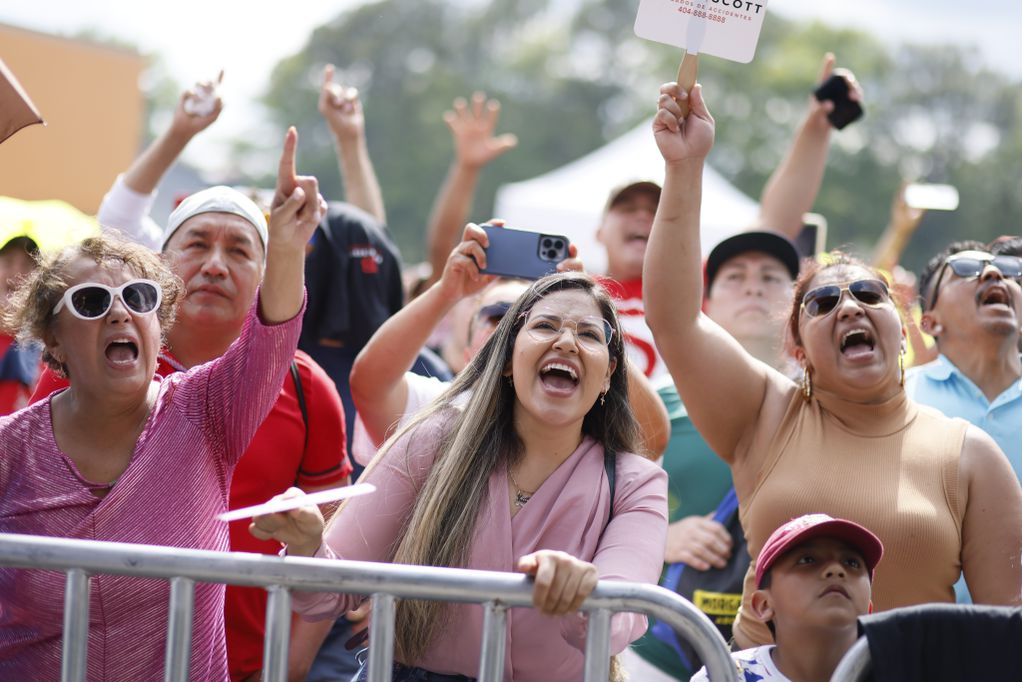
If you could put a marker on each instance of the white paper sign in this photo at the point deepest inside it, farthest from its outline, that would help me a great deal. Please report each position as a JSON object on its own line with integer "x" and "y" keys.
{"x": 722, "y": 28}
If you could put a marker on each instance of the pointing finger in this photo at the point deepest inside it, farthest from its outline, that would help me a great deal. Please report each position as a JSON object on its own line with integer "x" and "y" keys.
{"x": 286, "y": 178}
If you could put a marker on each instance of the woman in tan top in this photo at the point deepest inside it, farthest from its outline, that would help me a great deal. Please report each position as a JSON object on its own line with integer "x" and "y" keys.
{"x": 846, "y": 441}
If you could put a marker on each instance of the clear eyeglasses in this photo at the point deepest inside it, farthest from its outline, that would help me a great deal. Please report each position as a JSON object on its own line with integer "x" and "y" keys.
{"x": 591, "y": 332}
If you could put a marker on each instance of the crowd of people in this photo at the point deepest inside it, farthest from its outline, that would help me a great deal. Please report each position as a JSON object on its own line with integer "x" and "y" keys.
{"x": 766, "y": 424}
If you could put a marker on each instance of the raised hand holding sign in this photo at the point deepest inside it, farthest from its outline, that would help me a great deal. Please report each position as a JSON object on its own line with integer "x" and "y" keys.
{"x": 722, "y": 28}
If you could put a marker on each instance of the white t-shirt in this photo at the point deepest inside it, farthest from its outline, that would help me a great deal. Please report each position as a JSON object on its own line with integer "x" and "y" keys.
{"x": 127, "y": 211}
{"x": 754, "y": 664}
{"x": 421, "y": 391}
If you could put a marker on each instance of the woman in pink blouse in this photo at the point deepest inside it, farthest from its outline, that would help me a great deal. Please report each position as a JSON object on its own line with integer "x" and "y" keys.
{"x": 124, "y": 456}
{"x": 505, "y": 472}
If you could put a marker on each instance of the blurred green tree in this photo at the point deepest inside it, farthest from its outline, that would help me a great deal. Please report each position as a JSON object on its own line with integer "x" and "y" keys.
{"x": 573, "y": 75}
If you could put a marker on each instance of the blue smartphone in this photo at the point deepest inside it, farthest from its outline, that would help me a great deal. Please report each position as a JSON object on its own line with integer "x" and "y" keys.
{"x": 523, "y": 254}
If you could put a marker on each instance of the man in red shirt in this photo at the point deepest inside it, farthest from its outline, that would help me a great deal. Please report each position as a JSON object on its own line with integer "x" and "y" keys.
{"x": 215, "y": 242}
{"x": 19, "y": 366}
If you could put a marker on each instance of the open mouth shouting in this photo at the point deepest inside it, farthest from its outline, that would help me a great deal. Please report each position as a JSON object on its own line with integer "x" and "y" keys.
{"x": 121, "y": 351}
{"x": 637, "y": 238}
{"x": 558, "y": 377}
{"x": 995, "y": 294}
{"x": 857, "y": 343}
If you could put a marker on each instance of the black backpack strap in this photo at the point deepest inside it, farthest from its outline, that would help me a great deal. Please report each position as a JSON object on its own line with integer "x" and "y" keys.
{"x": 610, "y": 465}
{"x": 300, "y": 395}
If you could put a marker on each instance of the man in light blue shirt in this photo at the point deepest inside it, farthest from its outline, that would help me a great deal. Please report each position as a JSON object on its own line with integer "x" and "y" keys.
{"x": 972, "y": 301}
{"x": 971, "y": 304}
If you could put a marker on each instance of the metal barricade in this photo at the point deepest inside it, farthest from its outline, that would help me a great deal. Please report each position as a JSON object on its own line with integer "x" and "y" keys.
{"x": 496, "y": 591}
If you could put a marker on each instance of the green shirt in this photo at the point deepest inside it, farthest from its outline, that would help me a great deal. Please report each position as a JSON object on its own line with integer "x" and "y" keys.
{"x": 697, "y": 481}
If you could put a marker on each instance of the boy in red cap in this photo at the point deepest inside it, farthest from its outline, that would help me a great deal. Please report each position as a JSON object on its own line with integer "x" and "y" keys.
{"x": 814, "y": 576}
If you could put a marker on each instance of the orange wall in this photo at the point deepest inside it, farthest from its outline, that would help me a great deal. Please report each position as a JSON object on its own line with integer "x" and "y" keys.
{"x": 89, "y": 97}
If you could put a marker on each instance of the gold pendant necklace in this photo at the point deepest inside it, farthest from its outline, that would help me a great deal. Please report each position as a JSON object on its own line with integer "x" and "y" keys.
{"x": 521, "y": 496}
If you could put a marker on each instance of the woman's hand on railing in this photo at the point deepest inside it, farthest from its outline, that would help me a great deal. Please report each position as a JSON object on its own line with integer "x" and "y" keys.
{"x": 562, "y": 582}
{"x": 300, "y": 529}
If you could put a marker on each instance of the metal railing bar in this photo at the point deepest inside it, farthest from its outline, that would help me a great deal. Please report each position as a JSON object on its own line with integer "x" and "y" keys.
{"x": 855, "y": 665}
{"x": 401, "y": 581}
{"x": 597, "y": 662}
{"x": 491, "y": 658}
{"x": 277, "y": 637}
{"x": 381, "y": 635}
{"x": 76, "y": 626}
{"x": 179, "y": 629}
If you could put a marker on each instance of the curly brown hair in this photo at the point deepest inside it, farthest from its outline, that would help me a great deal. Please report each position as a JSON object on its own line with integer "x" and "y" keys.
{"x": 30, "y": 313}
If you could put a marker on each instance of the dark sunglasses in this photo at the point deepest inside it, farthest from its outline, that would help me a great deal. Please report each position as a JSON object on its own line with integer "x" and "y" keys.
{"x": 494, "y": 312}
{"x": 92, "y": 300}
{"x": 968, "y": 266}
{"x": 822, "y": 300}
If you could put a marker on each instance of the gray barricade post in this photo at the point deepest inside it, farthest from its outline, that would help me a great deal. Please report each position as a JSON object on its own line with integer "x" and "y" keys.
{"x": 495, "y": 591}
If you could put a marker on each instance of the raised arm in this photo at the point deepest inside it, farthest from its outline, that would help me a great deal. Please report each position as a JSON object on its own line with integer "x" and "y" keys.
{"x": 475, "y": 145}
{"x": 294, "y": 214}
{"x": 991, "y": 531}
{"x": 721, "y": 384}
{"x": 342, "y": 110}
{"x": 126, "y": 206}
{"x": 650, "y": 412}
{"x": 792, "y": 188}
{"x": 378, "y": 384}
{"x": 901, "y": 225}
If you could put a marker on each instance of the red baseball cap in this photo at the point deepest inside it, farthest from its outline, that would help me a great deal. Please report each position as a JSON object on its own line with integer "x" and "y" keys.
{"x": 810, "y": 526}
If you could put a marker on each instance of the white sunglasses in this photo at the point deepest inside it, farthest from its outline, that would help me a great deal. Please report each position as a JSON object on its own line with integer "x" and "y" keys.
{"x": 91, "y": 300}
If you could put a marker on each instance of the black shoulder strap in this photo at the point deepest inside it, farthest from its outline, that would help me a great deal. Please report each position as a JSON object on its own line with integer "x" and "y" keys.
{"x": 610, "y": 465}
{"x": 300, "y": 394}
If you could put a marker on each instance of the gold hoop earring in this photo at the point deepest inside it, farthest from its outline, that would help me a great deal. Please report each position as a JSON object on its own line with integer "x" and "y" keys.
{"x": 807, "y": 384}
{"x": 901, "y": 368}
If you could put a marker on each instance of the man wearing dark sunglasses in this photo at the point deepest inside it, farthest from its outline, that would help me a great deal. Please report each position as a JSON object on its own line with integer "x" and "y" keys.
{"x": 971, "y": 303}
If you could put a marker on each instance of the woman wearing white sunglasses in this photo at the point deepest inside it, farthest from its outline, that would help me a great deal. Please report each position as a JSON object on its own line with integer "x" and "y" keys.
{"x": 846, "y": 441}
{"x": 123, "y": 456}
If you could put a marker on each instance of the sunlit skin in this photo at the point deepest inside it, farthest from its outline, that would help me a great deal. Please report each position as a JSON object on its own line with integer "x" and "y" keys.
{"x": 480, "y": 331}
{"x": 112, "y": 386}
{"x": 539, "y": 408}
{"x": 860, "y": 375}
{"x": 816, "y": 593}
{"x": 82, "y": 345}
{"x": 967, "y": 307}
{"x": 219, "y": 257}
{"x": 625, "y": 231}
{"x": 749, "y": 298}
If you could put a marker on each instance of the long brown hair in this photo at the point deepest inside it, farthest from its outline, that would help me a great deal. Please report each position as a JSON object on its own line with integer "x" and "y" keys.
{"x": 479, "y": 439}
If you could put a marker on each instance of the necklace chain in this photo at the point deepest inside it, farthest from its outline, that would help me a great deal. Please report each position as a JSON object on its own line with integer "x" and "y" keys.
{"x": 521, "y": 496}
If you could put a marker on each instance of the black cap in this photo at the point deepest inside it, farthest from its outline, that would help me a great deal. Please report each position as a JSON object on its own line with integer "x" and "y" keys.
{"x": 771, "y": 243}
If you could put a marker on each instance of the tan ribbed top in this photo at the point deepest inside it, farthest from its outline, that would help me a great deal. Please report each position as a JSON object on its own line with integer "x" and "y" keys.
{"x": 892, "y": 467}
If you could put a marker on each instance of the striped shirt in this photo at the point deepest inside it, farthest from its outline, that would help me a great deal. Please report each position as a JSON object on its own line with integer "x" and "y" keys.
{"x": 174, "y": 486}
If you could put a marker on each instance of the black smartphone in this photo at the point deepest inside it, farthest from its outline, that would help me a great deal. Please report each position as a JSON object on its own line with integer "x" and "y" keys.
{"x": 846, "y": 109}
{"x": 519, "y": 253}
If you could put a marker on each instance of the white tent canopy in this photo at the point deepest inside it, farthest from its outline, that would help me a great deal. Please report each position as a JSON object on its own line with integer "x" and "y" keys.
{"x": 570, "y": 199}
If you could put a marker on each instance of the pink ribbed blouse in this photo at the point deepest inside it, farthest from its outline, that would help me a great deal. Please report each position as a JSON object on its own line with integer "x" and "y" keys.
{"x": 174, "y": 486}
{"x": 568, "y": 513}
